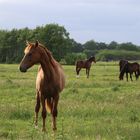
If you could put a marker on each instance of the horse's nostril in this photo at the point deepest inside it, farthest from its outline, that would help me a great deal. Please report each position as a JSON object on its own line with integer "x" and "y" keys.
{"x": 22, "y": 69}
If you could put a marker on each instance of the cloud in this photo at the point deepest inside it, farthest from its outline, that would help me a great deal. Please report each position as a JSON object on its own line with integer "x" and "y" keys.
{"x": 102, "y": 20}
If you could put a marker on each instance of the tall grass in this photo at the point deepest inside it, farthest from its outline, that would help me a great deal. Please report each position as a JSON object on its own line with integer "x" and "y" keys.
{"x": 101, "y": 107}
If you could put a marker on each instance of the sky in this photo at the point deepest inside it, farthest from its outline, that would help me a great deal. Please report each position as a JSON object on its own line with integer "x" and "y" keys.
{"x": 99, "y": 20}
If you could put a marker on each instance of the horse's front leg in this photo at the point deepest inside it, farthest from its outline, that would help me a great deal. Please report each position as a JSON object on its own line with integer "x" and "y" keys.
{"x": 131, "y": 76}
{"x": 78, "y": 70}
{"x": 37, "y": 107}
{"x": 121, "y": 76}
{"x": 54, "y": 111}
{"x": 44, "y": 112}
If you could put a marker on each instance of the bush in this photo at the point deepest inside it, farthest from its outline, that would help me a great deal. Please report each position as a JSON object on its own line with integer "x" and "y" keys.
{"x": 63, "y": 62}
{"x": 108, "y": 55}
{"x": 90, "y": 53}
{"x": 71, "y": 58}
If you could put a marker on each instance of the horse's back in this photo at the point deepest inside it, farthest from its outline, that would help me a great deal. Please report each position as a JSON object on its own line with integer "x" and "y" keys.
{"x": 134, "y": 66}
{"x": 80, "y": 64}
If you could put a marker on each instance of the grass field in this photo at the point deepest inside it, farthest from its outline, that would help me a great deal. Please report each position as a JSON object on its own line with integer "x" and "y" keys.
{"x": 98, "y": 108}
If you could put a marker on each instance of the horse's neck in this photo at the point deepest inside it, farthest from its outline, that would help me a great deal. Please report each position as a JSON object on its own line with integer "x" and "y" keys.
{"x": 90, "y": 60}
{"x": 47, "y": 68}
{"x": 124, "y": 68}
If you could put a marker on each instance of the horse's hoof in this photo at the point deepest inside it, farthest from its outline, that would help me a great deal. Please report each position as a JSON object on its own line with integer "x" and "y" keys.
{"x": 54, "y": 129}
{"x": 77, "y": 76}
{"x": 43, "y": 129}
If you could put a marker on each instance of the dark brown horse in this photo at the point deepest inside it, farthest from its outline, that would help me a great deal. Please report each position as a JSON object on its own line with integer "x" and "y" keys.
{"x": 50, "y": 80}
{"x": 121, "y": 65}
{"x": 85, "y": 64}
{"x": 130, "y": 68}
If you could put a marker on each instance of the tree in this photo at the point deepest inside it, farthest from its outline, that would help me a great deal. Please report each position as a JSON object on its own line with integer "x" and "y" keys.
{"x": 90, "y": 45}
{"x": 76, "y": 47}
{"x": 71, "y": 58}
{"x": 55, "y": 38}
{"x": 101, "y": 46}
{"x": 128, "y": 46}
{"x": 113, "y": 45}
{"x": 52, "y": 36}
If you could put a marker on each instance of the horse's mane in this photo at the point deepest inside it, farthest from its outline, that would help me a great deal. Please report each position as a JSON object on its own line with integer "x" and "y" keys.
{"x": 49, "y": 55}
{"x": 124, "y": 67}
{"x": 91, "y": 58}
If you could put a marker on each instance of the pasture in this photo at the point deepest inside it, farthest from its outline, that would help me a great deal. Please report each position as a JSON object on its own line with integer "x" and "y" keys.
{"x": 98, "y": 108}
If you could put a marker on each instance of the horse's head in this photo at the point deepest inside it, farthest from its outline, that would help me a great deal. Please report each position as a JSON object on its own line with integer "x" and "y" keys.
{"x": 31, "y": 57}
{"x": 92, "y": 59}
{"x": 121, "y": 77}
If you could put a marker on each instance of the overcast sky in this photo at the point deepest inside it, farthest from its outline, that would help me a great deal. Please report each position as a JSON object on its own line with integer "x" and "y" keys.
{"x": 100, "y": 20}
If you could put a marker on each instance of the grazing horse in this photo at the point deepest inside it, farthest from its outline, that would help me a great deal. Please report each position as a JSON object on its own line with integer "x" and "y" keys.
{"x": 130, "y": 68}
{"x": 121, "y": 65}
{"x": 85, "y": 64}
{"x": 49, "y": 83}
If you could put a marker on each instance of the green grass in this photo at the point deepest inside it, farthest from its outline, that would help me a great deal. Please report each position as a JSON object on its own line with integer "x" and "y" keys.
{"x": 98, "y": 108}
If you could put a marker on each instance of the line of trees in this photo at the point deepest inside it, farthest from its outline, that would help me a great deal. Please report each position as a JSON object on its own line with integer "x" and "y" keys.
{"x": 64, "y": 49}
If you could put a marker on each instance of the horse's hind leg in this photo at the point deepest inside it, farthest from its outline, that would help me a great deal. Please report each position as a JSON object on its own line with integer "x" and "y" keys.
{"x": 77, "y": 70}
{"x": 137, "y": 75}
{"x": 127, "y": 77}
{"x": 88, "y": 72}
{"x": 37, "y": 107}
{"x": 54, "y": 111}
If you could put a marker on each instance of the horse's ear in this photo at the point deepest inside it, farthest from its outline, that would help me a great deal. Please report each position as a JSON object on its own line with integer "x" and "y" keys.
{"x": 28, "y": 43}
{"x": 36, "y": 43}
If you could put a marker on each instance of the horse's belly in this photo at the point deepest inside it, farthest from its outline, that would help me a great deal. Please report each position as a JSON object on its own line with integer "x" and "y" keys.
{"x": 47, "y": 89}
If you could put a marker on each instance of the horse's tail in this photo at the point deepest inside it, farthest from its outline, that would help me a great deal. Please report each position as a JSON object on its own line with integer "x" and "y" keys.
{"x": 48, "y": 105}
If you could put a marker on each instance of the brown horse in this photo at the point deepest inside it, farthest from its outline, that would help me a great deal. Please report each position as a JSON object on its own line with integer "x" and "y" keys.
{"x": 50, "y": 80}
{"x": 121, "y": 65}
{"x": 85, "y": 64}
{"x": 130, "y": 68}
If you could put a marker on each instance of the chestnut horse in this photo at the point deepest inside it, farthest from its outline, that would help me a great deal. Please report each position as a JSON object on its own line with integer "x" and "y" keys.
{"x": 85, "y": 64}
{"x": 130, "y": 68}
{"x": 50, "y": 80}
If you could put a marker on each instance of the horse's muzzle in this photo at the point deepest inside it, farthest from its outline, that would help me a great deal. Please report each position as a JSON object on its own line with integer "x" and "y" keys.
{"x": 22, "y": 69}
